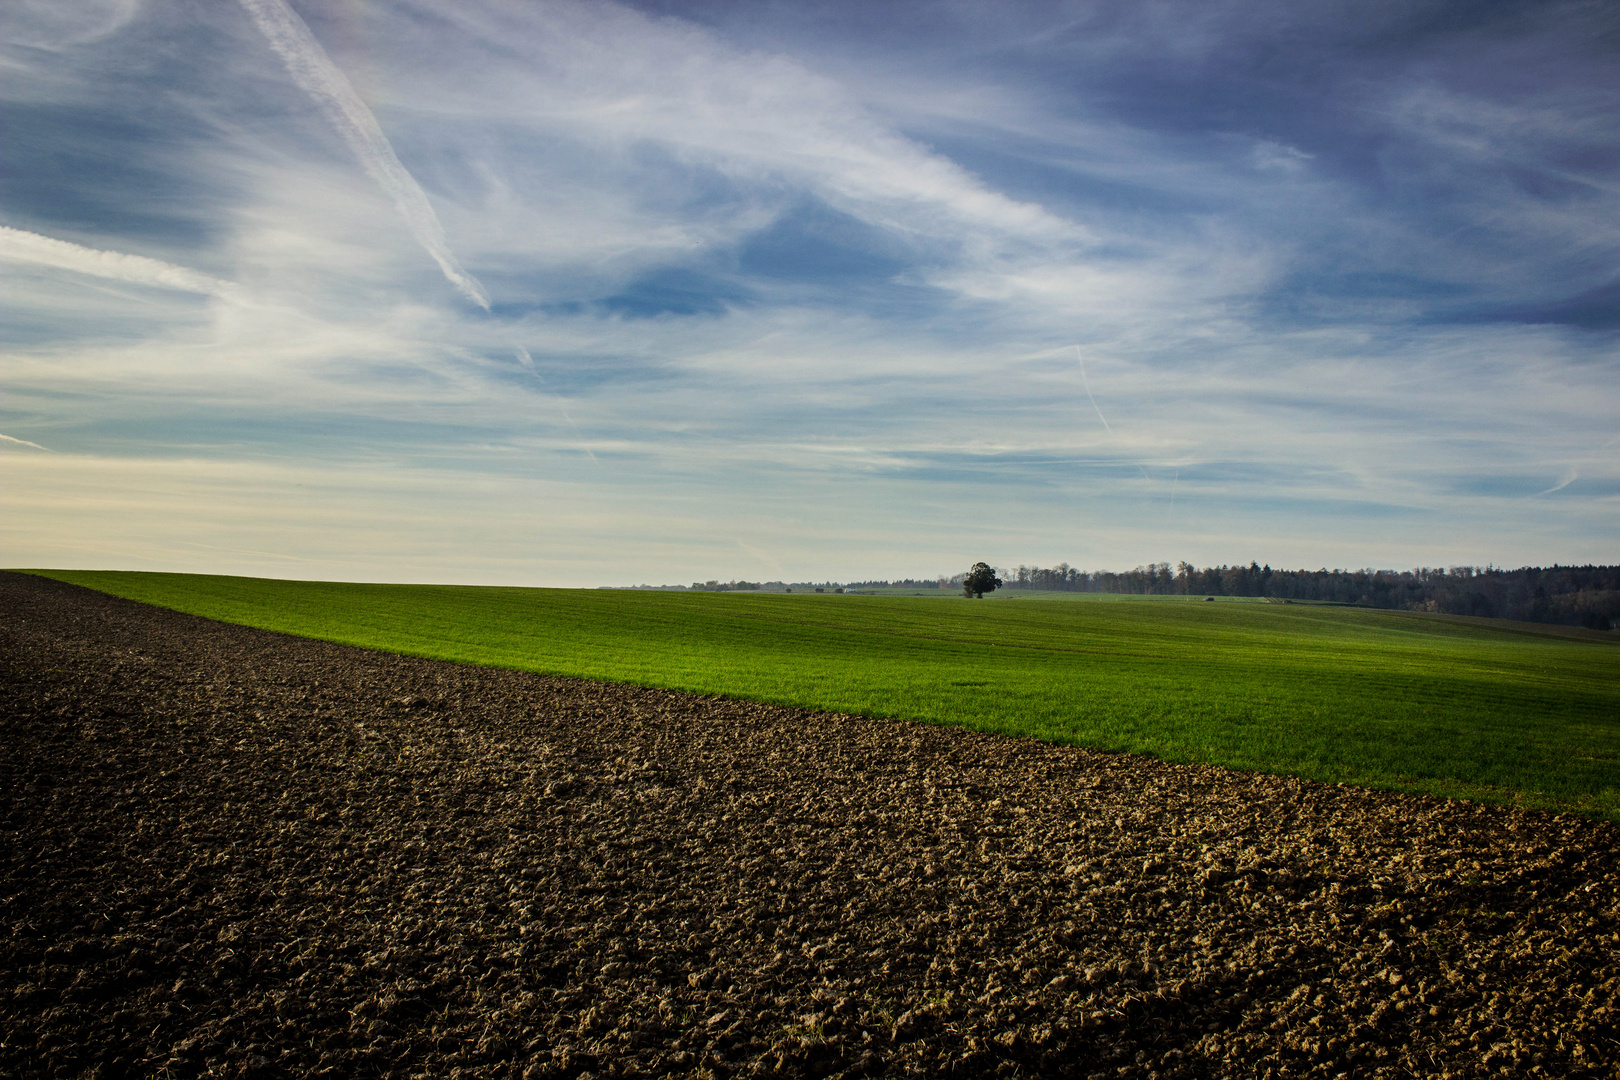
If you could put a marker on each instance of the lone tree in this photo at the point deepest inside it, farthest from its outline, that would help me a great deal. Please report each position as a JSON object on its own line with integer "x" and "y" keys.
{"x": 980, "y": 580}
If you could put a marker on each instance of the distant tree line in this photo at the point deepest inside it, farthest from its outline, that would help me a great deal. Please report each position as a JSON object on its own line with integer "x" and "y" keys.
{"x": 754, "y": 586}
{"x": 902, "y": 583}
{"x": 1569, "y": 595}
{"x": 807, "y": 586}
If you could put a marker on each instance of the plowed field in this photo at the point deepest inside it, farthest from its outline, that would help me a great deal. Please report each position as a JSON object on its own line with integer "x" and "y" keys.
{"x": 229, "y": 852}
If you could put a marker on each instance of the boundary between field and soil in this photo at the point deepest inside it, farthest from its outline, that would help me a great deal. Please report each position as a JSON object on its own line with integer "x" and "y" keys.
{"x": 1453, "y": 706}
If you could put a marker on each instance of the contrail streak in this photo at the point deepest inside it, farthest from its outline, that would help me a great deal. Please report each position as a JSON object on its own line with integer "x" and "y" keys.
{"x": 25, "y": 442}
{"x": 331, "y": 90}
{"x": 1572, "y": 476}
{"x": 19, "y": 246}
{"x": 1083, "y": 382}
{"x": 580, "y": 434}
{"x": 527, "y": 361}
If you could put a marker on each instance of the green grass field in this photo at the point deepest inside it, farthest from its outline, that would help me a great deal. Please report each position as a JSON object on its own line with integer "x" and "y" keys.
{"x": 1493, "y": 710}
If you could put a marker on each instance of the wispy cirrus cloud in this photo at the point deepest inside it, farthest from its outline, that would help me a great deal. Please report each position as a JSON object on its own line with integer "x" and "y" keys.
{"x": 19, "y": 246}
{"x": 804, "y": 285}
{"x": 696, "y": 125}
{"x": 332, "y": 92}
{"x": 23, "y": 442}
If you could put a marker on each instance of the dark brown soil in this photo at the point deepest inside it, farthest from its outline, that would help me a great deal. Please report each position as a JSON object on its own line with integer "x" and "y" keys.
{"x": 228, "y": 852}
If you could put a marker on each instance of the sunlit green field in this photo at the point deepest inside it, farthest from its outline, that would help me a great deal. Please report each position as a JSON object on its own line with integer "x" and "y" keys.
{"x": 1500, "y": 711}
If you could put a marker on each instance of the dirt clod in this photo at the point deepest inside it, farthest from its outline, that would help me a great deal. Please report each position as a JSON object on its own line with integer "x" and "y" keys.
{"x": 226, "y": 852}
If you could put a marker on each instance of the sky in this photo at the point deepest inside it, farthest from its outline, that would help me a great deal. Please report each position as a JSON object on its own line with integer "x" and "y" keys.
{"x": 583, "y": 293}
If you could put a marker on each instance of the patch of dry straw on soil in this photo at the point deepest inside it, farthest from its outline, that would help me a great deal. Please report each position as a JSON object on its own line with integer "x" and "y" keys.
{"x": 228, "y": 852}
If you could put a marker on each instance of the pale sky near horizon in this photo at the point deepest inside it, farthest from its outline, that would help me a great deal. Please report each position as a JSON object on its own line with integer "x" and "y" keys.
{"x": 579, "y": 293}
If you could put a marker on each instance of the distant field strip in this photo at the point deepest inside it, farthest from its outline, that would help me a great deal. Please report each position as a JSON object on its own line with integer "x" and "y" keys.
{"x": 1502, "y": 711}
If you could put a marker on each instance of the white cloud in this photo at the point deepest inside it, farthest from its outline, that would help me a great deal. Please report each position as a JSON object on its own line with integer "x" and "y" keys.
{"x": 607, "y": 79}
{"x": 1503, "y": 172}
{"x": 22, "y": 442}
{"x": 356, "y": 420}
{"x": 18, "y": 246}
{"x": 1273, "y": 155}
{"x": 54, "y": 25}
{"x": 321, "y": 79}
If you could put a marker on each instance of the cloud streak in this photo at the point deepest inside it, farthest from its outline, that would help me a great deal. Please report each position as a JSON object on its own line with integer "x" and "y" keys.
{"x": 1568, "y": 478}
{"x": 1086, "y": 384}
{"x": 16, "y": 245}
{"x": 610, "y": 74}
{"x": 325, "y": 83}
{"x": 799, "y": 285}
{"x": 24, "y": 442}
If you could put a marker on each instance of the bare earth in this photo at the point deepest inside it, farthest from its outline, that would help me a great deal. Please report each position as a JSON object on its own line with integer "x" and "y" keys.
{"x": 227, "y": 852}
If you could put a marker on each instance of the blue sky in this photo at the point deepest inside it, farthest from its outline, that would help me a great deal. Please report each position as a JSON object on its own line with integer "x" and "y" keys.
{"x": 589, "y": 293}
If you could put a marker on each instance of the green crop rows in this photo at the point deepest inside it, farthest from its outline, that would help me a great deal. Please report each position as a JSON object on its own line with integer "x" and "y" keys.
{"x": 1498, "y": 711}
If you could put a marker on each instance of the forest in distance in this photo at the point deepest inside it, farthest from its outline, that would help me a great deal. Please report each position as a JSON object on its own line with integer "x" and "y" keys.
{"x": 1587, "y": 596}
